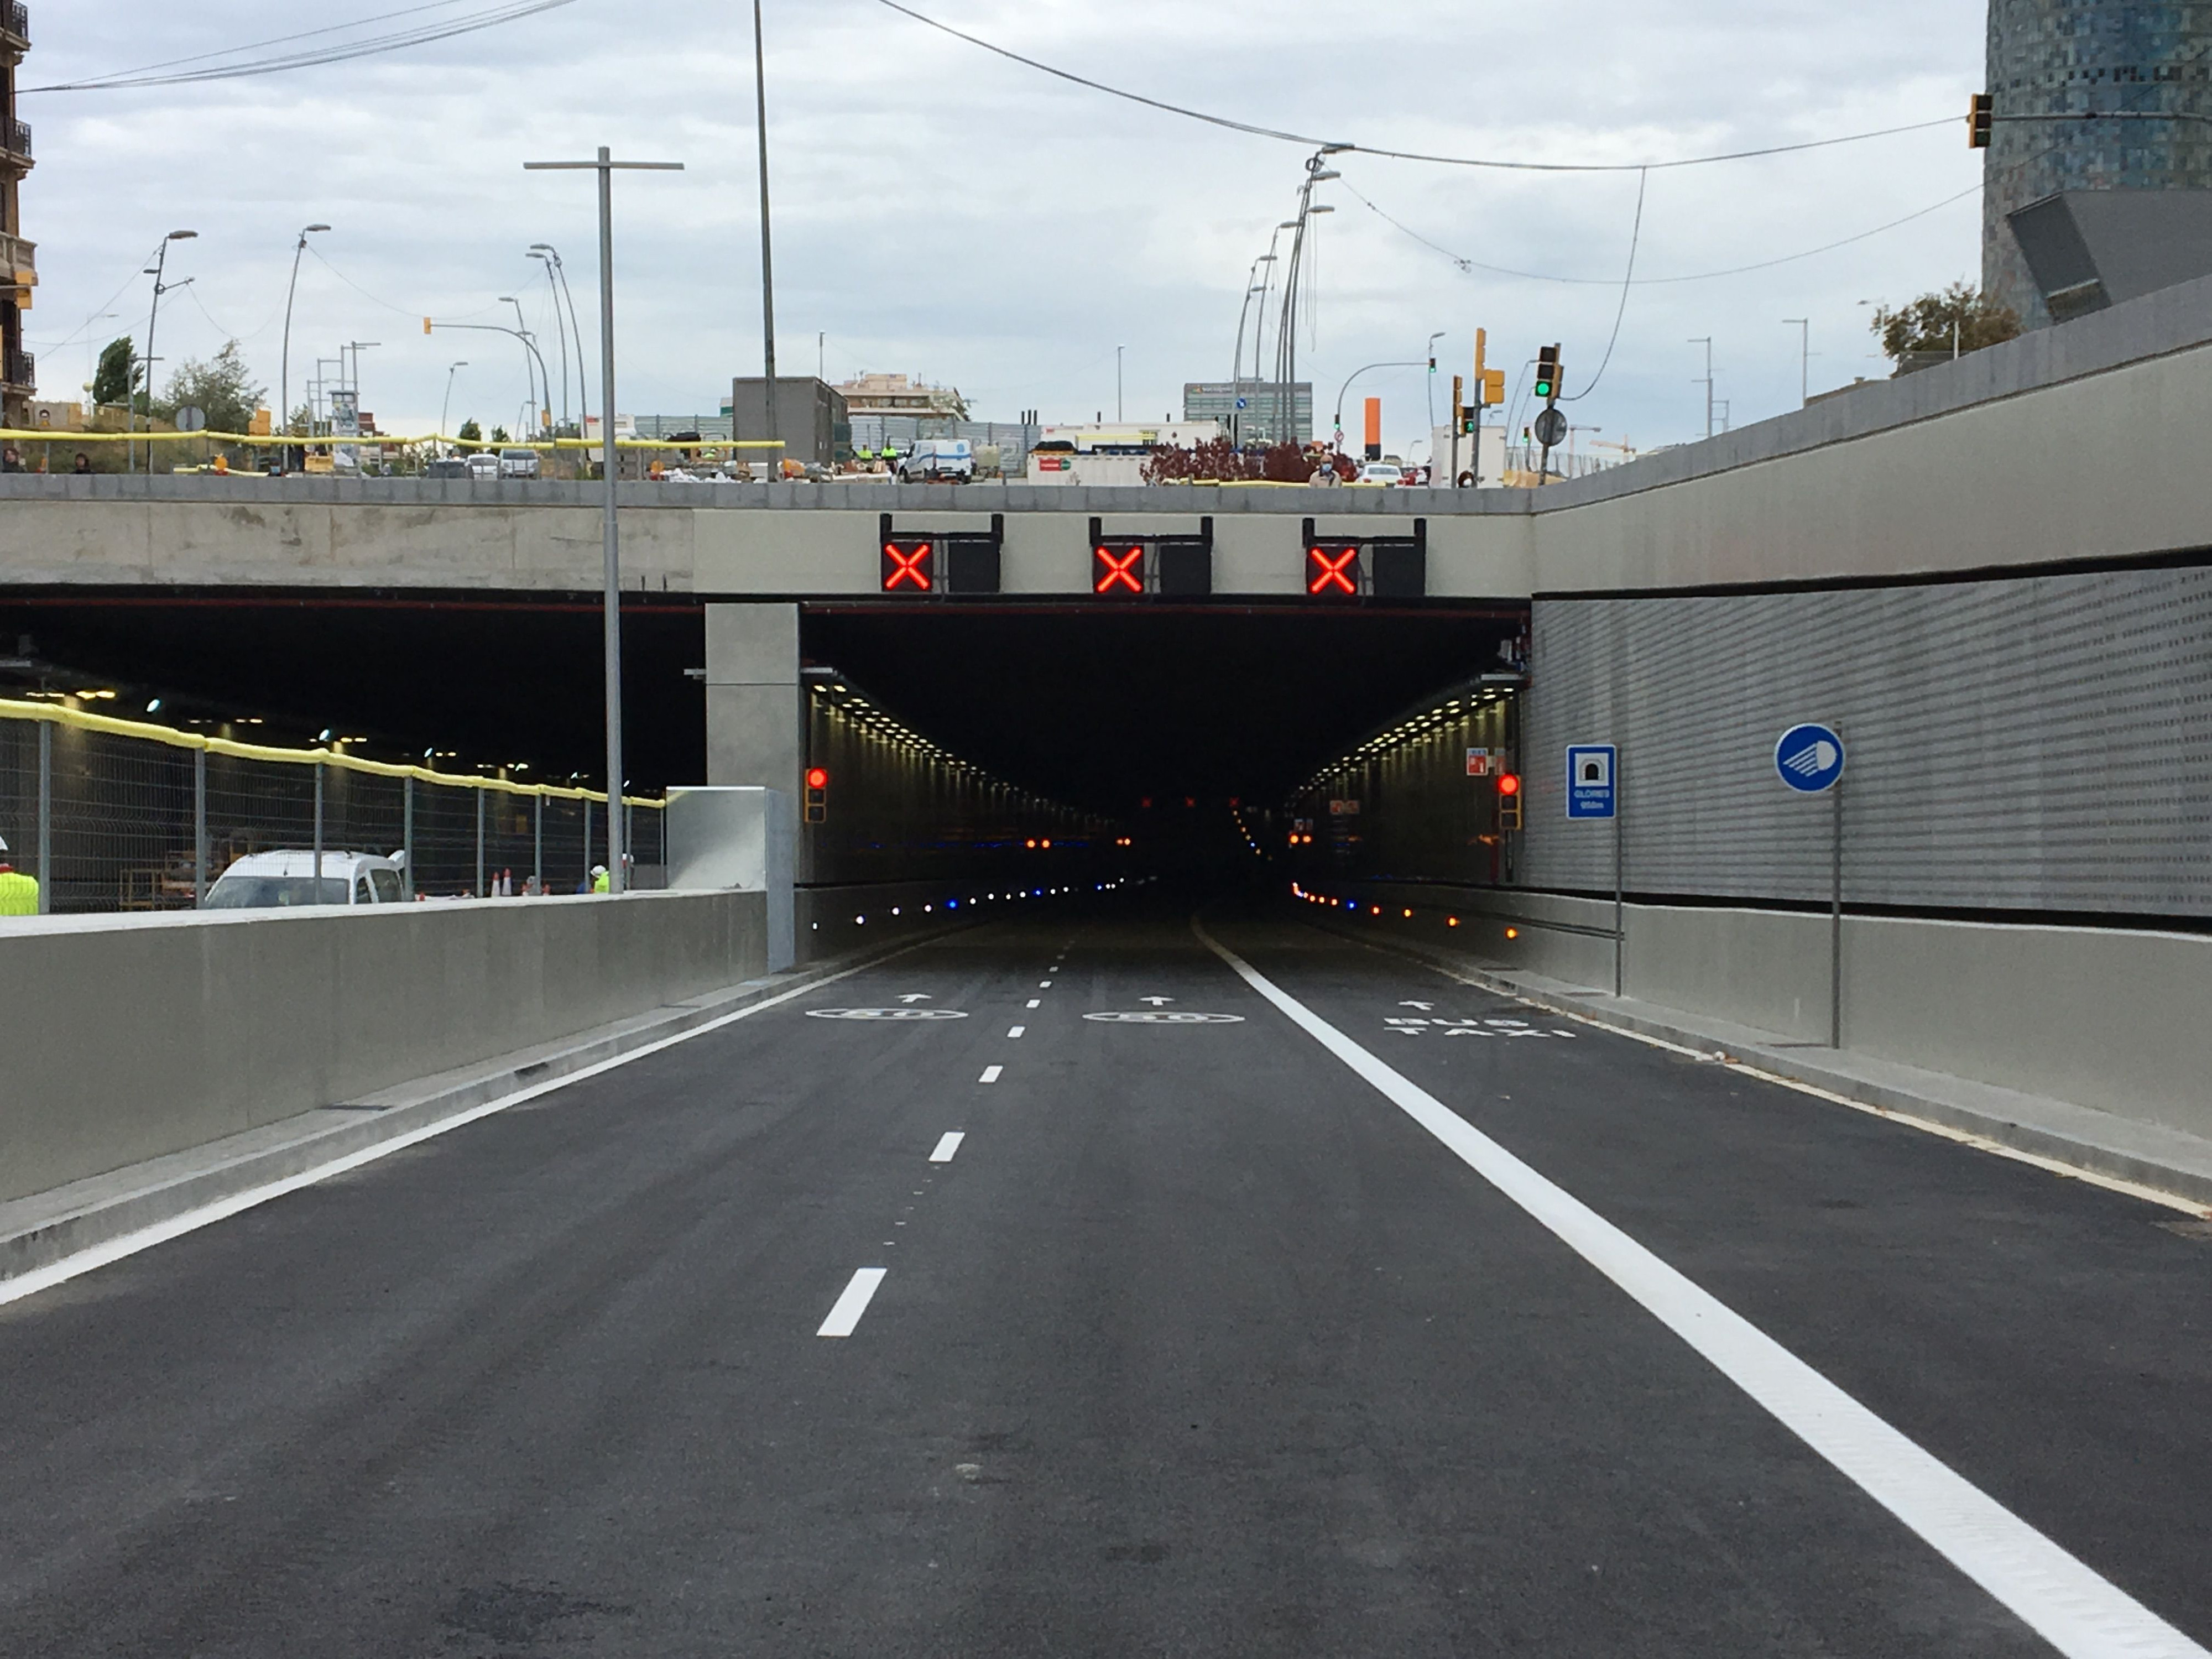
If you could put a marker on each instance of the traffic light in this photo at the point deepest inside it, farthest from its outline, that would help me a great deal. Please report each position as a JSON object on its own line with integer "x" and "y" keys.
{"x": 1117, "y": 570}
{"x": 910, "y": 567}
{"x": 1493, "y": 388}
{"x": 1332, "y": 570}
{"x": 1547, "y": 373}
{"x": 1509, "y": 801}
{"x": 817, "y": 794}
{"x": 1981, "y": 121}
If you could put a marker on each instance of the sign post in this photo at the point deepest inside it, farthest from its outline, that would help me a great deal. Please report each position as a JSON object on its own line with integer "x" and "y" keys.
{"x": 1593, "y": 792}
{"x": 1810, "y": 758}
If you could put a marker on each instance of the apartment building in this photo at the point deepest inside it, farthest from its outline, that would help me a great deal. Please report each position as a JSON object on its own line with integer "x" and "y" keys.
{"x": 19, "y": 265}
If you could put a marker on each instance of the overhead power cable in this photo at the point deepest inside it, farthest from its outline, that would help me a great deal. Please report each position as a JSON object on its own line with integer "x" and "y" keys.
{"x": 206, "y": 66}
{"x": 1312, "y": 141}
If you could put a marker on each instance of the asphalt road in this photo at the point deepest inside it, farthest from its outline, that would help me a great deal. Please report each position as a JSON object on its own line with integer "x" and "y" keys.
{"x": 1197, "y": 1342}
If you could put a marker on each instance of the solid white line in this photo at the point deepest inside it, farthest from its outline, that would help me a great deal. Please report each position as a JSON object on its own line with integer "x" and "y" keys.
{"x": 845, "y": 1318}
{"x": 129, "y": 1245}
{"x": 992, "y": 1073}
{"x": 1016, "y": 1030}
{"x": 2078, "y": 1613}
{"x": 947, "y": 1144}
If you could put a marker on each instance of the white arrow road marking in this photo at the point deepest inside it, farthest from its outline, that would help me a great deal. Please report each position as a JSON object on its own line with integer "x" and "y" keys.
{"x": 1156, "y": 1002}
{"x": 1425, "y": 1007}
{"x": 2079, "y": 1611}
{"x": 915, "y": 996}
{"x": 845, "y": 1317}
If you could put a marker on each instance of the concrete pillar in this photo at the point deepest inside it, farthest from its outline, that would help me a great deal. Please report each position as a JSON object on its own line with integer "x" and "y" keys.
{"x": 756, "y": 704}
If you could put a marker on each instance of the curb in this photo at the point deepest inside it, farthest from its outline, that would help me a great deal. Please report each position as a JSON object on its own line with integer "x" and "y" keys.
{"x": 326, "y": 1134}
{"x": 2187, "y": 1176}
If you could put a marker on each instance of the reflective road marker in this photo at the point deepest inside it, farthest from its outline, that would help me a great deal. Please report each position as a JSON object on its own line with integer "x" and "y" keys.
{"x": 2082, "y": 1614}
{"x": 845, "y": 1318}
{"x": 947, "y": 1144}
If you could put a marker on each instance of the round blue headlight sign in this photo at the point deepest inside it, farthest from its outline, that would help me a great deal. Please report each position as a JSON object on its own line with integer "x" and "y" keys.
{"x": 1809, "y": 759}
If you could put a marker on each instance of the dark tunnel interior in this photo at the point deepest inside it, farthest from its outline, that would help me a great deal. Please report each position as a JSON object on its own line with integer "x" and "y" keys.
{"x": 1101, "y": 709}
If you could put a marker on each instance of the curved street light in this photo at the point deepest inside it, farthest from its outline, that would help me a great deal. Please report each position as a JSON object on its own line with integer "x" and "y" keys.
{"x": 157, "y": 271}
{"x": 284, "y": 374}
{"x": 445, "y": 412}
{"x": 1339, "y": 419}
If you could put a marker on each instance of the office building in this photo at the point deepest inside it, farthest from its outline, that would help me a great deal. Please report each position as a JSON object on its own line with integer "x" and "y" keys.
{"x": 1261, "y": 419}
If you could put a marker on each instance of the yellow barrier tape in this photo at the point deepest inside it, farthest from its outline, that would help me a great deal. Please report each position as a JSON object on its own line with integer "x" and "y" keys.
{"x": 84, "y": 720}
{"x": 378, "y": 442}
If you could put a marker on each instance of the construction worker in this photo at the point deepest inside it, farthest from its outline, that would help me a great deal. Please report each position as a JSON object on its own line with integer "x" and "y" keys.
{"x": 600, "y": 883}
{"x": 19, "y": 894}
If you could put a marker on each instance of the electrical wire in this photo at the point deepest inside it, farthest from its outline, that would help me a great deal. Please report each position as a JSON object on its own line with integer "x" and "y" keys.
{"x": 1628, "y": 282}
{"x": 315, "y": 253}
{"x": 177, "y": 72}
{"x": 1340, "y": 146}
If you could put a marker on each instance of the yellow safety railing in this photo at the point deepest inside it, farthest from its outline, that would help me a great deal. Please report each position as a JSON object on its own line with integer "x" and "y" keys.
{"x": 378, "y": 440}
{"x": 85, "y": 720}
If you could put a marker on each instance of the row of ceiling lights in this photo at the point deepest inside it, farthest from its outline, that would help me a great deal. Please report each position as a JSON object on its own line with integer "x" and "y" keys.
{"x": 1413, "y": 729}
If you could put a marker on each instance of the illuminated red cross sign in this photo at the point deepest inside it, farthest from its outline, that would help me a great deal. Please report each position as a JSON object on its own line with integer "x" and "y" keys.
{"x": 1117, "y": 571}
{"x": 910, "y": 566}
{"x": 1333, "y": 572}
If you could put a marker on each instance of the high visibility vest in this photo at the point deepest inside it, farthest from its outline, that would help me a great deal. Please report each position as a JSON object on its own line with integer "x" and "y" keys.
{"x": 19, "y": 894}
{"x": 603, "y": 883}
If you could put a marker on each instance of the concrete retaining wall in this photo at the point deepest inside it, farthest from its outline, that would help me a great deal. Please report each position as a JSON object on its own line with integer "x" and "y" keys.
{"x": 2101, "y": 1017}
{"x": 136, "y": 1037}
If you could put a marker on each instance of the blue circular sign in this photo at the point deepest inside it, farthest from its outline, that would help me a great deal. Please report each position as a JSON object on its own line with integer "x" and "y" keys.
{"x": 1810, "y": 758}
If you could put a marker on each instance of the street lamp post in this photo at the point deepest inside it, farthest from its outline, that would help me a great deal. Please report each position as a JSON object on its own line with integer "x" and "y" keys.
{"x": 560, "y": 332}
{"x": 606, "y": 166}
{"x": 767, "y": 257}
{"x": 1118, "y": 350}
{"x": 552, "y": 255}
{"x": 1706, "y": 341}
{"x": 1430, "y": 352}
{"x": 1236, "y": 371}
{"x": 445, "y": 410}
{"x": 1804, "y": 324}
{"x": 529, "y": 350}
{"x": 153, "y": 319}
{"x": 284, "y": 374}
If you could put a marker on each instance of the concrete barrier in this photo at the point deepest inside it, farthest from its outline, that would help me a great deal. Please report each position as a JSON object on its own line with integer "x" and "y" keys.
{"x": 133, "y": 1038}
{"x": 2110, "y": 1018}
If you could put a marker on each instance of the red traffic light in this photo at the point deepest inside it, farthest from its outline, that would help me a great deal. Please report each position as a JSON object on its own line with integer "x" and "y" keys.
{"x": 1509, "y": 783}
{"x": 817, "y": 777}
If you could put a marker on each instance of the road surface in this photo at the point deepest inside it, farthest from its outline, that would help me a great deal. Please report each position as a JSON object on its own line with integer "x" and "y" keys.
{"x": 1369, "y": 1313}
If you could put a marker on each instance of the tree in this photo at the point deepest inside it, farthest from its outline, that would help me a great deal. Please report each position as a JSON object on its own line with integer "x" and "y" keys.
{"x": 118, "y": 375}
{"x": 470, "y": 433}
{"x": 222, "y": 389}
{"x": 498, "y": 434}
{"x": 1930, "y": 324}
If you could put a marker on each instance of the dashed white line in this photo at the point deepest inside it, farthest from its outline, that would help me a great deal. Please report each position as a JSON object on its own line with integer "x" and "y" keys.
{"x": 992, "y": 1073}
{"x": 1036, "y": 1002}
{"x": 1016, "y": 1031}
{"x": 1044, "y": 985}
{"x": 2079, "y": 1613}
{"x": 948, "y": 1144}
{"x": 845, "y": 1317}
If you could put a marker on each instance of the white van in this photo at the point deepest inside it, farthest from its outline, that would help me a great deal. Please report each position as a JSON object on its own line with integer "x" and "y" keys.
{"x": 284, "y": 881}
{"x": 938, "y": 459}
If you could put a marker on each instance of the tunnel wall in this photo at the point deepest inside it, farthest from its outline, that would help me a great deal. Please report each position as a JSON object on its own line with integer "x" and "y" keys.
{"x": 137, "y": 1037}
{"x": 2108, "y": 1018}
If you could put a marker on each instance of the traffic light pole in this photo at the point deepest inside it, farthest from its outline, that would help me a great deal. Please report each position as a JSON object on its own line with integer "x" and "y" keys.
{"x": 1836, "y": 926}
{"x": 1620, "y": 881}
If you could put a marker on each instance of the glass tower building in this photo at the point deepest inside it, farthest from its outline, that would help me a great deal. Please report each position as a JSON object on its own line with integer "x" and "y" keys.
{"x": 2068, "y": 57}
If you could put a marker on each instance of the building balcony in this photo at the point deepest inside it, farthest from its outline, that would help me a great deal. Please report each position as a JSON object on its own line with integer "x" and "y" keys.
{"x": 15, "y": 143}
{"x": 19, "y": 371}
{"x": 19, "y": 268}
{"x": 15, "y": 26}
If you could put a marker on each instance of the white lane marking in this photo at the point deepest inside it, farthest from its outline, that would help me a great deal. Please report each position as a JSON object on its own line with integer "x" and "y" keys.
{"x": 115, "y": 1250}
{"x": 992, "y": 1073}
{"x": 1016, "y": 1030}
{"x": 1044, "y": 985}
{"x": 845, "y": 1318}
{"x": 2078, "y": 1612}
{"x": 948, "y": 1144}
{"x": 1036, "y": 1002}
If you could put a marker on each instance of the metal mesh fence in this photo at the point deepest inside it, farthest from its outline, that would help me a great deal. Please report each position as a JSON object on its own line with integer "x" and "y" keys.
{"x": 111, "y": 816}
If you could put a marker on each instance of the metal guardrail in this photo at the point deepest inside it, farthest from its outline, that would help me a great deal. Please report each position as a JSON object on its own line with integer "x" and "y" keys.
{"x": 112, "y": 815}
{"x": 18, "y": 135}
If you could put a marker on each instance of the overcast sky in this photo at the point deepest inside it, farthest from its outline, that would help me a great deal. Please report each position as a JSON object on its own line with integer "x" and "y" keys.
{"x": 943, "y": 212}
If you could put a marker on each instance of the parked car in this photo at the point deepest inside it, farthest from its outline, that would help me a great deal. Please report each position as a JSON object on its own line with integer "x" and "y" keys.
{"x": 448, "y": 466}
{"x": 1381, "y": 472}
{"x": 938, "y": 459}
{"x": 484, "y": 465}
{"x": 518, "y": 464}
{"x": 289, "y": 880}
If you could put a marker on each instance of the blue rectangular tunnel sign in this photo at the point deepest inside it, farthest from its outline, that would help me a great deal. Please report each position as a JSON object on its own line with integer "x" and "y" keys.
{"x": 1593, "y": 770}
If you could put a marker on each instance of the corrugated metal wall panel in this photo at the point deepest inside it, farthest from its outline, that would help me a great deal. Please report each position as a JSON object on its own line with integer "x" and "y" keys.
{"x": 2039, "y": 743}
